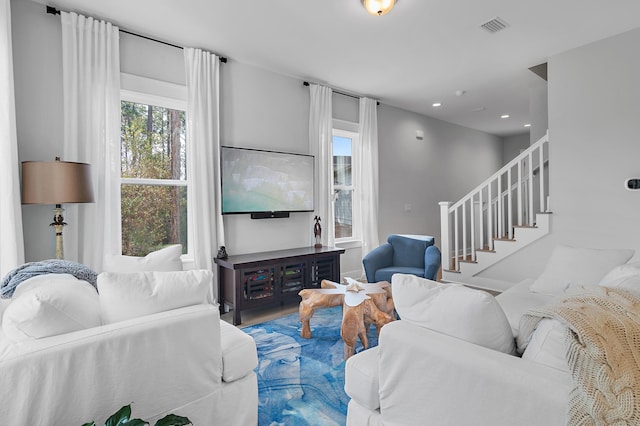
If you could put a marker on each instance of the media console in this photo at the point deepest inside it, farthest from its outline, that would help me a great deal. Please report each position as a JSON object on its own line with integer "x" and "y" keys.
{"x": 273, "y": 277}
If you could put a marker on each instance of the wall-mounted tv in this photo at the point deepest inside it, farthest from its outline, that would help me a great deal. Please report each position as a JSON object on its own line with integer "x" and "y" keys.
{"x": 265, "y": 182}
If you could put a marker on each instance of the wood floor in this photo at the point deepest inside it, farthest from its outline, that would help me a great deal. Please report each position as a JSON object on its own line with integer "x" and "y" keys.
{"x": 258, "y": 315}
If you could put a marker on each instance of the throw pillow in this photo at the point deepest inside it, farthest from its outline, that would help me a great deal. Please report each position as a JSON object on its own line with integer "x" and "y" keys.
{"x": 39, "y": 281}
{"x": 453, "y": 309}
{"x": 547, "y": 345}
{"x": 630, "y": 283}
{"x": 620, "y": 271}
{"x": 584, "y": 266}
{"x": 49, "y": 308}
{"x": 165, "y": 259}
{"x": 135, "y": 294}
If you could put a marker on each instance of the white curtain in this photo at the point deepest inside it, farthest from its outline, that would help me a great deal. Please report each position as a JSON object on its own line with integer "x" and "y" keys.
{"x": 320, "y": 145}
{"x": 11, "y": 239}
{"x": 367, "y": 177}
{"x": 91, "y": 92}
{"x": 206, "y": 231}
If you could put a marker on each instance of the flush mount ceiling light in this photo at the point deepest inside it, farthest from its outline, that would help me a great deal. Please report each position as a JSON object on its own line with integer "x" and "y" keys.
{"x": 378, "y": 7}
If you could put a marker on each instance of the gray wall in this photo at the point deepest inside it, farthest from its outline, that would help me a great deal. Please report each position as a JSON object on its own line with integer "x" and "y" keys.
{"x": 259, "y": 109}
{"x": 415, "y": 175}
{"x": 538, "y": 110}
{"x": 594, "y": 105}
{"x": 514, "y": 145}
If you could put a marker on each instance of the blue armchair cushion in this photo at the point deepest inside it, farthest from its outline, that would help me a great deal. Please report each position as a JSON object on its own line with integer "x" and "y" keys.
{"x": 409, "y": 251}
{"x": 385, "y": 274}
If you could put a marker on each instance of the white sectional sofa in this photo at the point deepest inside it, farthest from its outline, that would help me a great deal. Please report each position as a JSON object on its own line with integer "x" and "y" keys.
{"x": 182, "y": 360}
{"x": 419, "y": 376}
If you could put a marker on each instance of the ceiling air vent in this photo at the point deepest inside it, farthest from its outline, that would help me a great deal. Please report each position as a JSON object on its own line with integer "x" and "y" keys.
{"x": 494, "y": 25}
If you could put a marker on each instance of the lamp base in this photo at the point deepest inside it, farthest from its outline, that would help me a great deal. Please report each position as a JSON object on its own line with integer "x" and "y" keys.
{"x": 58, "y": 223}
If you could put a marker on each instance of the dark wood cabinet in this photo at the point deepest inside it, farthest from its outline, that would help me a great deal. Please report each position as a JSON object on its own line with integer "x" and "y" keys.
{"x": 259, "y": 279}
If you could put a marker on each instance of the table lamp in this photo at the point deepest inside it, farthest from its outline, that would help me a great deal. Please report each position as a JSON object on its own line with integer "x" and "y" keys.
{"x": 56, "y": 182}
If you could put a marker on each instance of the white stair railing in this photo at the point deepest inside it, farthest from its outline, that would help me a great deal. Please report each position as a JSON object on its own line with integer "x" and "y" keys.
{"x": 493, "y": 208}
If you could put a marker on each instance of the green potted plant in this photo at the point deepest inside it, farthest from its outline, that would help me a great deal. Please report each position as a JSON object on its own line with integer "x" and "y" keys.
{"x": 122, "y": 417}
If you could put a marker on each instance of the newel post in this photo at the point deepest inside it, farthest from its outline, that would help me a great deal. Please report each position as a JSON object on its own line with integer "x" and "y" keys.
{"x": 445, "y": 235}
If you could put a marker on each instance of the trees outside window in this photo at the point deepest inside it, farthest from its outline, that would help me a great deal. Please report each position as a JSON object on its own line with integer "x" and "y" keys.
{"x": 153, "y": 170}
{"x": 345, "y": 205}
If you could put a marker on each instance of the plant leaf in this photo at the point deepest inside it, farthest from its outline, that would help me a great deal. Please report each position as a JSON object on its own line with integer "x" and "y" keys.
{"x": 90, "y": 424}
{"x": 136, "y": 422}
{"x": 173, "y": 420}
{"x": 120, "y": 417}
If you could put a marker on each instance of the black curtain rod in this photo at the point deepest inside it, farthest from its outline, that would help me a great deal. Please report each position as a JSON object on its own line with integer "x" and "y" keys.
{"x": 54, "y": 11}
{"x": 306, "y": 83}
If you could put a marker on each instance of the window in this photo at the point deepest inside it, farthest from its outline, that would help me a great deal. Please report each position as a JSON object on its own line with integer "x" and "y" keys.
{"x": 153, "y": 171}
{"x": 345, "y": 204}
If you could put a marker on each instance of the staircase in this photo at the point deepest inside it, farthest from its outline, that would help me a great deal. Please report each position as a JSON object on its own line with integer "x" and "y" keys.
{"x": 505, "y": 213}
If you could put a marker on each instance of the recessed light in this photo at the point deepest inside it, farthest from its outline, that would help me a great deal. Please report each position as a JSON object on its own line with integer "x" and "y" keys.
{"x": 504, "y": 116}
{"x": 527, "y": 125}
{"x": 436, "y": 104}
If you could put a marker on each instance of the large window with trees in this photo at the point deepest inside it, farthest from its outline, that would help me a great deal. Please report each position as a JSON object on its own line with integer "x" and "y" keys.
{"x": 153, "y": 173}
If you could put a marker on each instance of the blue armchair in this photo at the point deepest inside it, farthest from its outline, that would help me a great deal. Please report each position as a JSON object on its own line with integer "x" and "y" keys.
{"x": 405, "y": 254}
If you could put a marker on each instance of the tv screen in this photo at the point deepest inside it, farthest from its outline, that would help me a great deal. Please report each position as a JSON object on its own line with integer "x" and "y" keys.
{"x": 265, "y": 181}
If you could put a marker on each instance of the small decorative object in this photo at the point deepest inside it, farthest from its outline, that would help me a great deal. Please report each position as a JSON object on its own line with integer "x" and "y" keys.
{"x": 222, "y": 253}
{"x": 123, "y": 417}
{"x": 317, "y": 232}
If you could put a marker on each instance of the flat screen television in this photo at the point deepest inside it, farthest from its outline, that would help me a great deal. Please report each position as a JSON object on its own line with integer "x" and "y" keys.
{"x": 258, "y": 182}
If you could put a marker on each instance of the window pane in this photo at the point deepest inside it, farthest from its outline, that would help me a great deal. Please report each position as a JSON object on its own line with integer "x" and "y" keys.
{"x": 153, "y": 142}
{"x": 343, "y": 213}
{"x": 153, "y": 217}
{"x": 341, "y": 160}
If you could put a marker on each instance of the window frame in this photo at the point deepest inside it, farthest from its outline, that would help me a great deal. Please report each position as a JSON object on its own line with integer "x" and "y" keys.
{"x": 349, "y": 130}
{"x": 148, "y": 91}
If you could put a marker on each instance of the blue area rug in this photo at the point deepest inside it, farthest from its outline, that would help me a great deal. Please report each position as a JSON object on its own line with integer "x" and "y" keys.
{"x": 301, "y": 381}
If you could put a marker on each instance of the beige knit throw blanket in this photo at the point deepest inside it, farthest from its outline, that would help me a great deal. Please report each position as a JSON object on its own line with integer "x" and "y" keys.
{"x": 603, "y": 354}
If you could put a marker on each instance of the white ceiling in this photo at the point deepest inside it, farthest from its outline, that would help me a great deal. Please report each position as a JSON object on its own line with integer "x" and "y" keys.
{"x": 423, "y": 51}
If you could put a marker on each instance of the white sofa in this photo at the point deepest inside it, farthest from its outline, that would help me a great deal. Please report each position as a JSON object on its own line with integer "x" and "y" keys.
{"x": 418, "y": 376}
{"x": 184, "y": 361}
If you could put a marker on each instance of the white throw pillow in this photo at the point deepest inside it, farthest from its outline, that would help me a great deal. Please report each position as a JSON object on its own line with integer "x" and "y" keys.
{"x": 620, "y": 271}
{"x": 39, "y": 281}
{"x": 547, "y": 345}
{"x": 165, "y": 259}
{"x": 49, "y": 308}
{"x": 584, "y": 266}
{"x": 135, "y": 294}
{"x": 453, "y": 309}
{"x": 630, "y": 283}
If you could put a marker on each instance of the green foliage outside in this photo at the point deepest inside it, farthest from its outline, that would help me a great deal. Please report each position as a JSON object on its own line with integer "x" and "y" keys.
{"x": 152, "y": 147}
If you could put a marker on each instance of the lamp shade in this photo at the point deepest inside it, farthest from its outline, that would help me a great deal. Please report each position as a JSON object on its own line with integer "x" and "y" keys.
{"x": 378, "y": 7}
{"x": 56, "y": 182}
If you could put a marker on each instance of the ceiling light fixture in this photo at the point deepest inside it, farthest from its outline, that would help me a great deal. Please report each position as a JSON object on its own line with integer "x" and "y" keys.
{"x": 378, "y": 7}
{"x": 527, "y": 125}
{"x": 504, "y": 116}
{"x": 436, "y": 104}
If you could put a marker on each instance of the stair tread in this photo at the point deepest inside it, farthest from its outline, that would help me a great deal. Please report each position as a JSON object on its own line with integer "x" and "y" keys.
{"x": 467, "y": 261}
{"x": 451, "y": 270}
{"x": 511, "y": 240}
{"x": 486, "y": 250}
{"x": 525, "y": 226}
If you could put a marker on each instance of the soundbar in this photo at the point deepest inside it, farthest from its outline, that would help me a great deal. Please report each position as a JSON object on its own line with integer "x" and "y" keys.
{"x": 269, "y": 215}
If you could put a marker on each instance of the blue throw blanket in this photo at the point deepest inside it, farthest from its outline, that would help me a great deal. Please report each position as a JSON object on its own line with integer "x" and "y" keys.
{"x": 52, "y": 266}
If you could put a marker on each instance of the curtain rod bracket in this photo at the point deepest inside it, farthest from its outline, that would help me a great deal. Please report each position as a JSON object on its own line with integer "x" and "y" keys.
{"x": 306, "y": 83}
